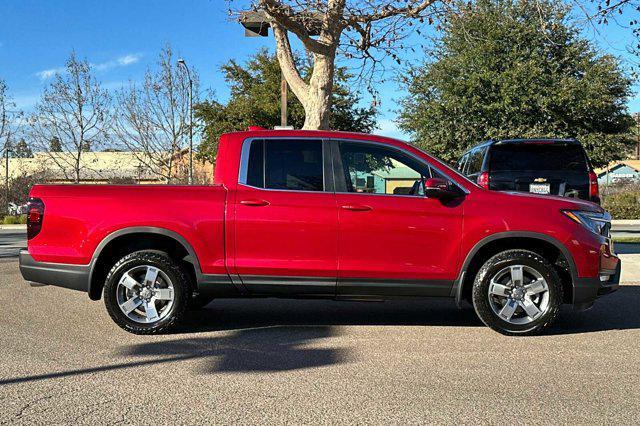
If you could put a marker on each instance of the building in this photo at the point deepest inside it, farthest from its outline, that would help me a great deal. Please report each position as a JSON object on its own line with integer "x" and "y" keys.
{"x": 619, "y": 171}
{"x": 102, "y": 168}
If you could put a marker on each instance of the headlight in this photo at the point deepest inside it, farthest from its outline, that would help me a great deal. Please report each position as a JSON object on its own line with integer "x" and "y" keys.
{"x": 598, "y": 223}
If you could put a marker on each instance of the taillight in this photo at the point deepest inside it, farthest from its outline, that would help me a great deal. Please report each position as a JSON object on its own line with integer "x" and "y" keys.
{"x": 35, "y": 215}
{"x": 483, "y": 180}
{"x": 594, "y": 192}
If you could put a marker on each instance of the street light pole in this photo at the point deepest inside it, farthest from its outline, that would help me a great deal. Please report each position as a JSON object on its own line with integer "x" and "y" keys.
{"x": 183, "y": 63}
{"x": 6, "y": 174}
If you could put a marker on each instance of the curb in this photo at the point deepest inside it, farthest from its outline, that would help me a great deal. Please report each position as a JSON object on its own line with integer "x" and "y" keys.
{"x": 13, "y": 227}
{"x": 625, "y": 222}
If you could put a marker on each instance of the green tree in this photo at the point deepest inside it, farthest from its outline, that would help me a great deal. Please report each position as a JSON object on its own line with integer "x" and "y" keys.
{"x": 22, "y": 150}
{"x": 55, "y": 145}
{"x": 255, "y": 101}
{"x": 507, "y": 68}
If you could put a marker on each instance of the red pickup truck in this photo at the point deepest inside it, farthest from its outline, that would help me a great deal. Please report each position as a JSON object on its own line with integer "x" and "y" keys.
{"x": 326, "y": 215}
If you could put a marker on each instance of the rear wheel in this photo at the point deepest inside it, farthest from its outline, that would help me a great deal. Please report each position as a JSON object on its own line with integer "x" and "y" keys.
{"x": 146, "y": 292}
{"x": 517, "y": 292}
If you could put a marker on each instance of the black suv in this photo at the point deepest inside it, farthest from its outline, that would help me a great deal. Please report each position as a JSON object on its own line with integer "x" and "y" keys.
{"x": 540, "y": 166}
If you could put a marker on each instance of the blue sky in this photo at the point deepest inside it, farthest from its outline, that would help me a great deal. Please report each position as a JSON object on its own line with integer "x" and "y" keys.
{"x": 123, "y": 38}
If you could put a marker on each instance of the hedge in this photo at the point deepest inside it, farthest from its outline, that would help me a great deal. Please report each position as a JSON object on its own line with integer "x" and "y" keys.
{"x": 623, "y": 205}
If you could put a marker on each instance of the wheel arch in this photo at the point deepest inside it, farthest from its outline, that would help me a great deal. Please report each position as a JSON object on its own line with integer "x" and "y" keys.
{"x": 119, "y": 242}
{"x": 496, "y": 243}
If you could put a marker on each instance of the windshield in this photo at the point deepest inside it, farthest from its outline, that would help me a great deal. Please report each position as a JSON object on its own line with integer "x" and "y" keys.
{"x": 511, "y": 157}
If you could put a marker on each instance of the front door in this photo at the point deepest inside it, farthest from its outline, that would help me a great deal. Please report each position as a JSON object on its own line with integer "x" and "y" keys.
{"x": 285, "y": 219}
{"x": 392, "y": 240}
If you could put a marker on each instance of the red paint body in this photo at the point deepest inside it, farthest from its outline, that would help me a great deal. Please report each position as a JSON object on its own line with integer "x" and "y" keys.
{"x": 240, "y": 230}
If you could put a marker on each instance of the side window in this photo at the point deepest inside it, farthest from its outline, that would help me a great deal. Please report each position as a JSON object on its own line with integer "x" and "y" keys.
{"x": 255, "y": 166}
{"x": 475, "y": 161}
{"x": 461, "y": 163}
{"x": 373, "y": 169}
{"x": 294, "y": 165}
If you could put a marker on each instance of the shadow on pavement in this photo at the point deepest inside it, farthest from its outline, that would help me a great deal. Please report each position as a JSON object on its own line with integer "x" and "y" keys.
{"x": 274, "y": 335}
{"x": 616, "y": 311}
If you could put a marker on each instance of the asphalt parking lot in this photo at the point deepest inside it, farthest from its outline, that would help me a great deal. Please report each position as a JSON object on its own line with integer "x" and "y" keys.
{"x": 62, "y": 360}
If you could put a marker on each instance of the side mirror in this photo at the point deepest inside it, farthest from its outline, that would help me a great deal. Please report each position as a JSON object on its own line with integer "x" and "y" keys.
{"x": 439, "y": 188}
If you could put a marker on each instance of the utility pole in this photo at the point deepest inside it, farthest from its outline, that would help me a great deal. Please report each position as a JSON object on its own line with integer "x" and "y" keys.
{"x": 636, "y": 116}
{"x": 283, "y": 101}
{"x": 184, "y": 64}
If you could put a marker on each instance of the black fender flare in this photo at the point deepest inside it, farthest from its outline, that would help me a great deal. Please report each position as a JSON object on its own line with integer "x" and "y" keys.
{"x": 143, "y": 230}
{"x": 458, "y": 283}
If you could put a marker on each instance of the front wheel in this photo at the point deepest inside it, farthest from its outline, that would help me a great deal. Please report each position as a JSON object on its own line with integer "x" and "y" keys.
{"x": 517, "y": 292}
{"x": 146, "y": 292}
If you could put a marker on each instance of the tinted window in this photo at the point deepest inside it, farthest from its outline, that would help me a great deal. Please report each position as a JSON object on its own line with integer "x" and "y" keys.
{"x": 377, "y": 170}
{"x": 460, "y": 164}
{"x": 255, "y": 168}
{"x": 293, "y": 165}
{"x": 511, "y": 157}
{"x": 475, "y": 161}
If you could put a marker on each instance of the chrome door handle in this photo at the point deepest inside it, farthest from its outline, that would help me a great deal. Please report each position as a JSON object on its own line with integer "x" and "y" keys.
{"x": 254, "y": 203}
{"x": 356, "y": 208}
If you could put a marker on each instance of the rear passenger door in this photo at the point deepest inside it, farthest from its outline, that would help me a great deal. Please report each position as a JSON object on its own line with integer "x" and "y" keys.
{"x": 286, "y": 218}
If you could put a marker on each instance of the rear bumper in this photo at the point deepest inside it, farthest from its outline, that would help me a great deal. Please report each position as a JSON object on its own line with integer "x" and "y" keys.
{"x": 75, "y": 277}
{"x": 587, "y": 290}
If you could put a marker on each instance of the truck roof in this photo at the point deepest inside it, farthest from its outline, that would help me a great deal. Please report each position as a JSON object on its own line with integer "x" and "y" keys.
{"x": 320, "y": 134}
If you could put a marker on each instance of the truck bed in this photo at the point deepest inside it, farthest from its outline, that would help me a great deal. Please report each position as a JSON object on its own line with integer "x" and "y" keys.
{"x": 78, "y": 217}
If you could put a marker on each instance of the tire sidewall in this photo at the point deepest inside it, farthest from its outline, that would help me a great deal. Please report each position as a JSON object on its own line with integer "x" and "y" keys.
{"x": 496, "y": 264}
{"x": 161, "y": 261}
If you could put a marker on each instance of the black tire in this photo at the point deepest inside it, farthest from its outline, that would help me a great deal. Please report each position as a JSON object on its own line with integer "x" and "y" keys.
{"x": 494, "y": 266}
{"x": 175, "y": 273}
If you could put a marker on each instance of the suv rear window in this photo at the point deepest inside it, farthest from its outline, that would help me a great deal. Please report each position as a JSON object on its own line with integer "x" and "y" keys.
{"x": 510, "y": 157}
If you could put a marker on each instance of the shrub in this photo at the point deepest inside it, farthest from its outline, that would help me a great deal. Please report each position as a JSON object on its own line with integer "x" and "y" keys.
{"x": 22, "y": 219}
{"x": 10, "y": 220}
{"x": 623, "y": 205}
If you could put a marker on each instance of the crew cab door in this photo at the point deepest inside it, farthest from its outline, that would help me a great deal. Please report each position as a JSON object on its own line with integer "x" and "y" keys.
{"x": 392, "y": 240}
{"x": 286, "y": 218}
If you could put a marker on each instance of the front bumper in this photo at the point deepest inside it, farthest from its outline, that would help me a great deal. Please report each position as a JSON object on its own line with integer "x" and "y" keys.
{"x": 587, "y": 290}
{"x": 75, "y": 277}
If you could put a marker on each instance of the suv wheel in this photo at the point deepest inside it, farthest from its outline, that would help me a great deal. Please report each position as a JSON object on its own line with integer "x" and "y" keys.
{"x": 517, "y": 292}
{"x": 146, "y": 292}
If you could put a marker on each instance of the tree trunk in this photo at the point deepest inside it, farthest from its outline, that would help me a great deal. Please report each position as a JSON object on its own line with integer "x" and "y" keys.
{"x": 317, "y": 105}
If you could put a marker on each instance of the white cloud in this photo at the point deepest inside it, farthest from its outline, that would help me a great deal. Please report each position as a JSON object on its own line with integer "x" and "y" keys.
{"x": 128, "y": 59}
{"x": 121, "y": 61}
{"x": 390, "y": 129}
{"x": 47, "y": 74}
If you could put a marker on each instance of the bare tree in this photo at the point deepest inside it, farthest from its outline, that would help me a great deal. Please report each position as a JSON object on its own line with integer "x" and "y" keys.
{"x": 604, "y": 12}
{"x": 370, "y": 30}
{"x": 10, "y": 124}
{"x": 152, "y": 119}
{"x": 74, "y": 111}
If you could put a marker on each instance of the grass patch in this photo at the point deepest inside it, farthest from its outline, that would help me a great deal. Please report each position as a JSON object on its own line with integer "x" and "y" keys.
{"x": 626, "y": 239}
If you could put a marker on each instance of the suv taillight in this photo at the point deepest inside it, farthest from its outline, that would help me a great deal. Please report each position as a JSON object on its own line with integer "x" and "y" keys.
{"x": 483, "y": 180}
{"x": 594, "y": 192}
{"x": 35, "y": 215}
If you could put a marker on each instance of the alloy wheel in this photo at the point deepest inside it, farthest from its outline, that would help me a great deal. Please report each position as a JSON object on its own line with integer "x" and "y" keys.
{"x": 518, "y": 294}
{"x": 145, "y": 294}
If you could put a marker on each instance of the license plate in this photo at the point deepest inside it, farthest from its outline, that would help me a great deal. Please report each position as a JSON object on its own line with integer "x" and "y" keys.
{"x": 539, "y": 188}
